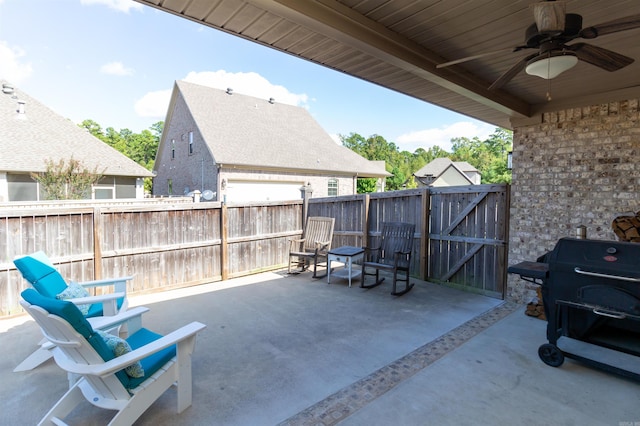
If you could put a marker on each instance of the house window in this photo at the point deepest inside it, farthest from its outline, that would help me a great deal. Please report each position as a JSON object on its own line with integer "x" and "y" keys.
{"x": 170, "y": 187}
{"x": 190, "y": 143}
{"x": 332, "y": 188}
{"x": 173, "y": 149}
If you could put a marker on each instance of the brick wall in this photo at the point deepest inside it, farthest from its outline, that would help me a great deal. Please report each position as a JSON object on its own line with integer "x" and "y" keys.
{"x": 576, "y": 167}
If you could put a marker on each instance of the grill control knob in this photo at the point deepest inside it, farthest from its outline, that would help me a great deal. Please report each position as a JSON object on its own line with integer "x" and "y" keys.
{"x": 612, "y": 250}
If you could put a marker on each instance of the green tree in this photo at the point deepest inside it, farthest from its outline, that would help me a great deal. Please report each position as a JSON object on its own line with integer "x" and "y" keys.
{"x": 67, "y": 180}
{"x": 377, "y": 148}
{"x": 488, "y": 156}
{"x": 140, "y": 147}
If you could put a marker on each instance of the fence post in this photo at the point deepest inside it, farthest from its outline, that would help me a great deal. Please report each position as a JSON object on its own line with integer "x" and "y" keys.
{"x": 98, "y": 226}
{"x": 424, "y": 234}
{"x": 224, "y": 242}
{"x": 307, "y": 192}
{"x": 365, "y": 220}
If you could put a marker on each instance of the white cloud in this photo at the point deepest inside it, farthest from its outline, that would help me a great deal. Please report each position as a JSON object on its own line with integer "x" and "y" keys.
{"x": 12, "y": 68}
{"x": 247, "y": 83}
{"x": 155, "y": 104}
{"x": 442, "y": 136}
{"x": 119, "y": 5}
{"x": 116, "y": 68}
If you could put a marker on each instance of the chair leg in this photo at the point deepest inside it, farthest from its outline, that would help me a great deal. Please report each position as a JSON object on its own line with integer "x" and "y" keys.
{"x": 407, "y": 287}
{"x": 64, "y": 406}
{"x": 376, "y": 283}
{"x": 315, "y": 268}
{"x": 38, "y": 357}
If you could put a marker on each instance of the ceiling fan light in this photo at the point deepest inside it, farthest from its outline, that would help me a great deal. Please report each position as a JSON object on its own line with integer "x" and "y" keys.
{"x": 551, "y": 66}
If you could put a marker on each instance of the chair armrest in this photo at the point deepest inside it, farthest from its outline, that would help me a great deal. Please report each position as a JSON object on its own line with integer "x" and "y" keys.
{"x": 109, "y": 302}
{"x": 131, "y": 317}
{"x": 101, "y": 298}
{"x": 370, "y": 251}
{"x": 119, "y": 283}
{"x": 184, "y": 334}
{"x": 322, "y": 244}
{"x": 297, "y": 244}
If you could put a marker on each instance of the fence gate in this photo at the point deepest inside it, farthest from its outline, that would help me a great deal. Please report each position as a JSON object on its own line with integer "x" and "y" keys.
{"x": 468, "y": 236}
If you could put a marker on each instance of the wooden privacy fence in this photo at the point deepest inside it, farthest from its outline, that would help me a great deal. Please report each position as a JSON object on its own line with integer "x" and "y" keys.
{"x": 468, "y": 237}
{"x": 163, "y": 245}
{"x": 359, "y": 218}
{"x": 460, "y": 237}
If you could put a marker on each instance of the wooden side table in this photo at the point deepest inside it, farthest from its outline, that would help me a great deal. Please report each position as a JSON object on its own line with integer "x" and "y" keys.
{"x": 347, "y": 255}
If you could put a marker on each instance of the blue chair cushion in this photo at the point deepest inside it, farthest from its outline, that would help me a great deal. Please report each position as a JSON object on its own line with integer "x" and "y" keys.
{"x": 70, "y": 312}
{"x": 61, "y": 308}
{"x": 152, "y": 363}
{"x": 96, "y": 309}
{"x": 41, "y": 274}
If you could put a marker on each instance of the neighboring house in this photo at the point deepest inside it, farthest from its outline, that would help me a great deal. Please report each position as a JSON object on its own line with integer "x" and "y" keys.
{"x": 235, "y": 148}
{"x": 444, "y": 172}
{"x": 31, "y": 134}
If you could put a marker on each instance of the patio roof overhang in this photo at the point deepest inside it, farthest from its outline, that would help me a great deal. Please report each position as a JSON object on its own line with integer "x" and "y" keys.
{"x": 398, "y": 44}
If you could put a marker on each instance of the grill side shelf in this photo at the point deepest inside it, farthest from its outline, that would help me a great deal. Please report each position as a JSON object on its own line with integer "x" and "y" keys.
{"x": 533, "y": 272}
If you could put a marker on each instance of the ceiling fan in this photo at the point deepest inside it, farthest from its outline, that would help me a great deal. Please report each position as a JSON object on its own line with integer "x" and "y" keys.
{"x": 552, "y": 30}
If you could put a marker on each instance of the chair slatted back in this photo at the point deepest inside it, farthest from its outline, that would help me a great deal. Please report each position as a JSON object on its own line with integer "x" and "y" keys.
{"x": 319, "y": 229}
{"x": 396, "y": 237}
{"x": 75, "y": 349}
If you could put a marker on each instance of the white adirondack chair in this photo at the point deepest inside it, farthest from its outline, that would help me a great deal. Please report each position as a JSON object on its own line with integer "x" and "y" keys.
{"x": 81, "y": 351}
{"x": 38, "y": 270}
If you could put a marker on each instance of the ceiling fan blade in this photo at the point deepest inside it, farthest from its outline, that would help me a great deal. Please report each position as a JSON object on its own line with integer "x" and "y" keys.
{"x": 481, "y": 55}
{"x": 606, "y": 59}
{"x": 511, "y": 72}
{"x": 617, "y": 25}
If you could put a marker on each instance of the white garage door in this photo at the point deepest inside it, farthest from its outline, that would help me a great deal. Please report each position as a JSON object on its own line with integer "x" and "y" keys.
{"x": 238, "y": 191}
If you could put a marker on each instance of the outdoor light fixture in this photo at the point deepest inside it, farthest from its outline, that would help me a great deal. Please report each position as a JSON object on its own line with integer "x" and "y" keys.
{"x": 551, "y": 65}
{"x": 509, "y": 160}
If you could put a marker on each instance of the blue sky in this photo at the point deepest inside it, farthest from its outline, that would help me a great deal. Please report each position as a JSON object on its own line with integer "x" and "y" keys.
{"x": 115, "y": 62}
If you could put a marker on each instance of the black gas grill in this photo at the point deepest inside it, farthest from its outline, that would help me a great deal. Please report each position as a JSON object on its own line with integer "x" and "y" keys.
{"x": 591, "y": 297}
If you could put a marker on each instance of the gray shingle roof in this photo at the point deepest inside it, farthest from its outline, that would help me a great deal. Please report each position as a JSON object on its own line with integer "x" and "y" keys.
{"x": 247, "y": 131}
{"x": 28, "y": 140}
{"x": 439, "y": 165}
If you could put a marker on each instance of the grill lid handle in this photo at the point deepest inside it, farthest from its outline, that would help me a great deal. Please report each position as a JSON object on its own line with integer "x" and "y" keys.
{"x": 614, "y": 277}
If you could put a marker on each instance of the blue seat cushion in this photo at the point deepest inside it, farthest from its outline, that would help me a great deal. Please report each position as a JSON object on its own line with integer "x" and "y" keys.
{"x": 153, "y": 362}
{"x": 96, "y": 309}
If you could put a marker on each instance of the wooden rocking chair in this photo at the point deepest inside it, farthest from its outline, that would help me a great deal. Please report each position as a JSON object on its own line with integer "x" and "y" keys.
{"x": 393, "y": 254}
{"x": 315, "y": 244}
{"x": 104, "y": 378}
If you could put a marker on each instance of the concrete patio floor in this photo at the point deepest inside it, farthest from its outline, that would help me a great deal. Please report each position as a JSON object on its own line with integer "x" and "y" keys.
{"x": 291, "y": 350}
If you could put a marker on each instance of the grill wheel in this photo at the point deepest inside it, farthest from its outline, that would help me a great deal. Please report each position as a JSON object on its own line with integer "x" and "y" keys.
{"x": 551, "y": 355}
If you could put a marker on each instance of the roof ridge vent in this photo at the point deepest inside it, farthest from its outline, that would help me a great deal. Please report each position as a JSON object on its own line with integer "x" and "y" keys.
{"x": 229, "y": 91}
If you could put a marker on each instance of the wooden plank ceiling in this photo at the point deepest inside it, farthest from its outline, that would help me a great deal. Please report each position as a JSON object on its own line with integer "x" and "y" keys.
{"x": 398, "y": 43}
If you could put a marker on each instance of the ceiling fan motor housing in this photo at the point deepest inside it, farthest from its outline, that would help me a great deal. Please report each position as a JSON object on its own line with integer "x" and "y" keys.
{"x": 572, "y": 26}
